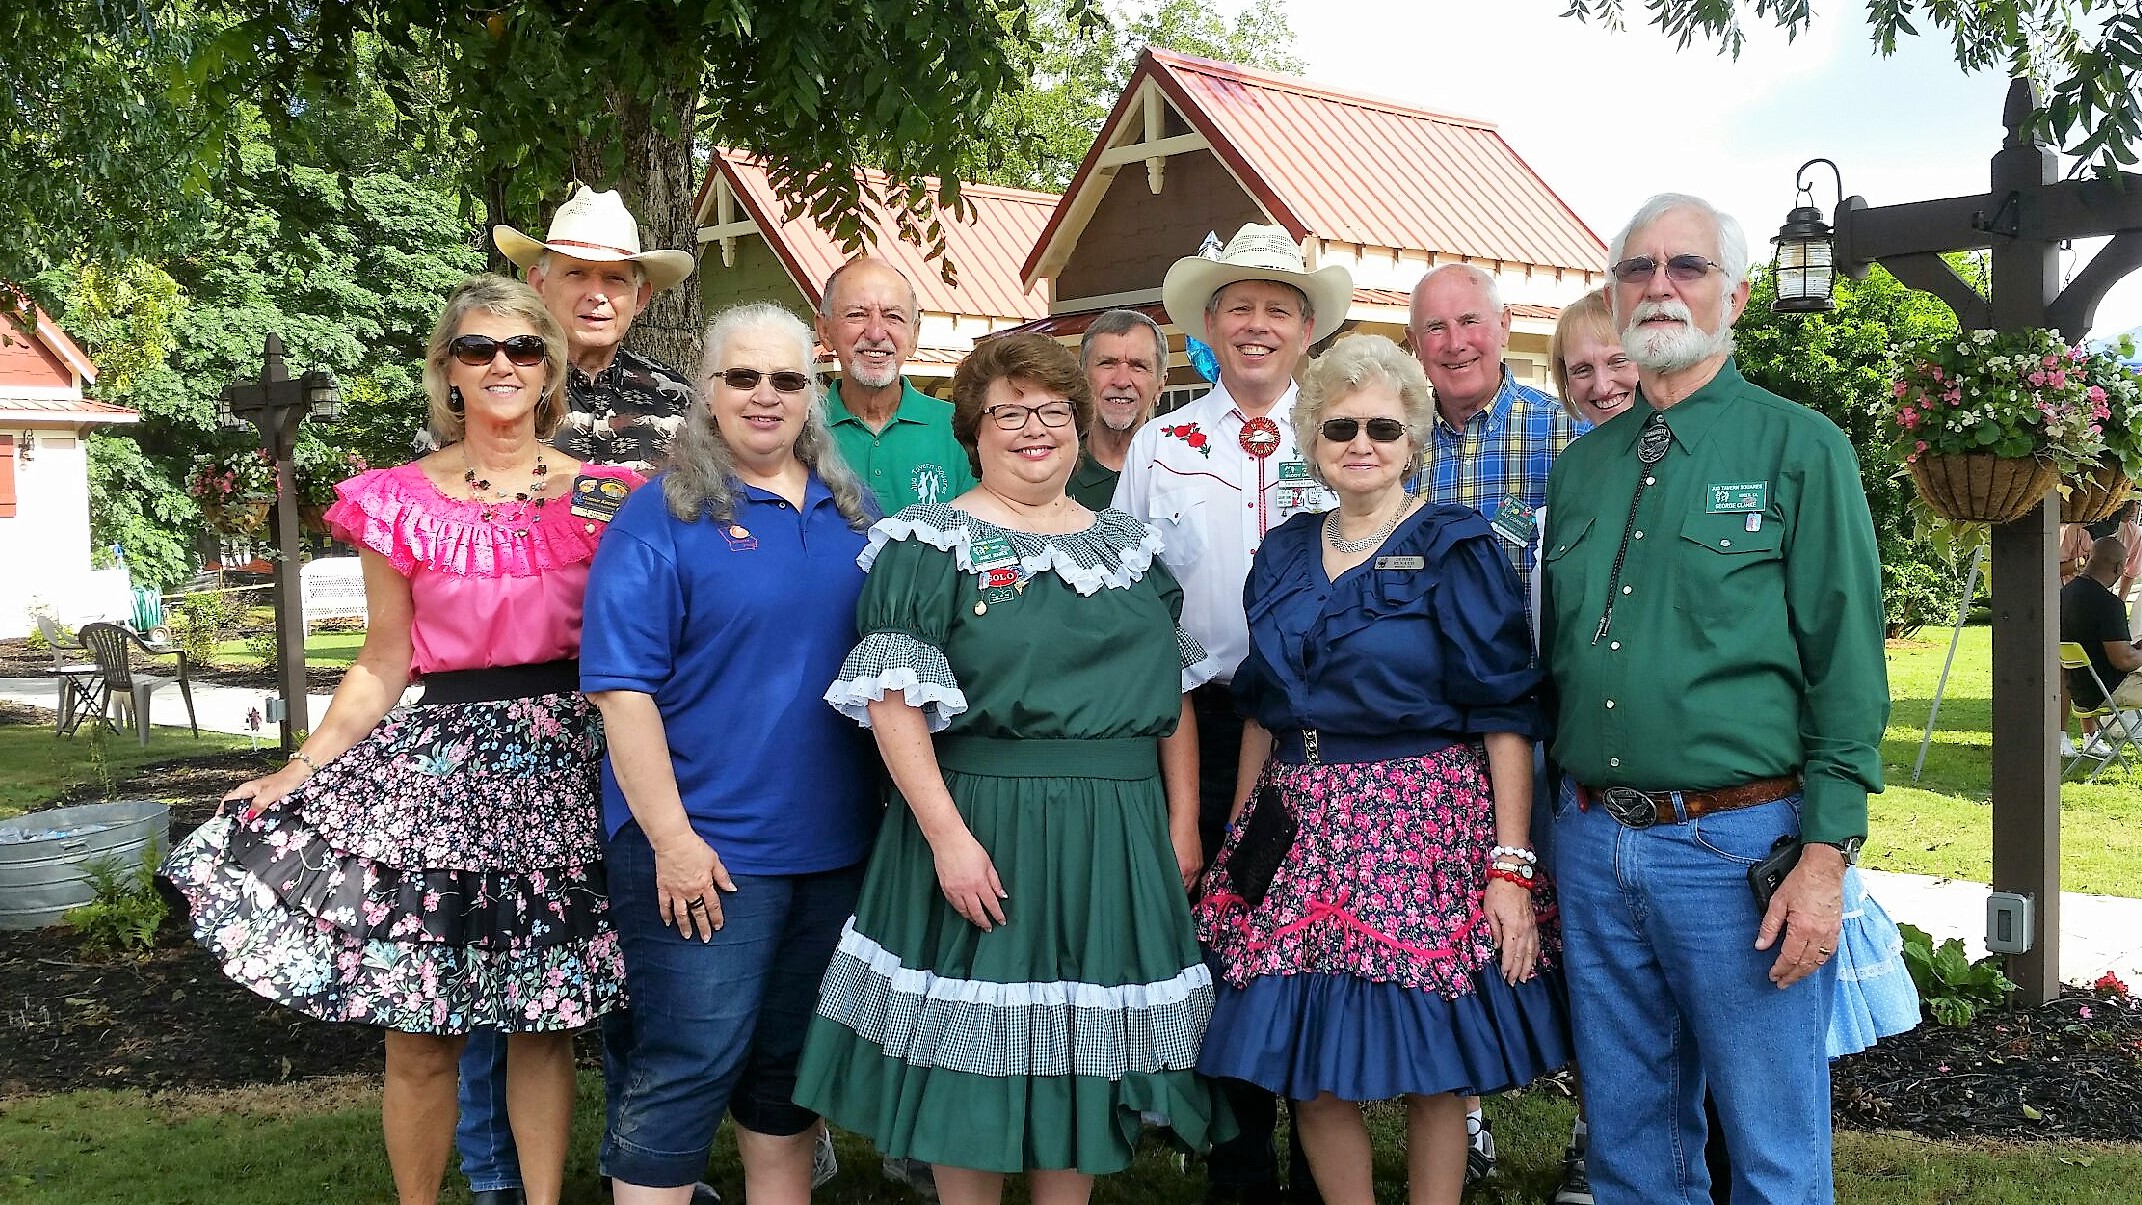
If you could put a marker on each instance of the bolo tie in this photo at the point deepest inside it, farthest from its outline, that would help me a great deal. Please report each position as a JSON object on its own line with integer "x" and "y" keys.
{"x": 1651, "y": 445}
{"x": 1259, "y": 438}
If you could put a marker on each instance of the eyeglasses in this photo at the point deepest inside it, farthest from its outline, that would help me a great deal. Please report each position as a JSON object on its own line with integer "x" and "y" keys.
{"x": 1680, "y": 269}
{"x": 1013, "y": 418}
{"x": 747, "y": 379}
{"x": 1382, "y": 430}
{"x": 479, "y": 350}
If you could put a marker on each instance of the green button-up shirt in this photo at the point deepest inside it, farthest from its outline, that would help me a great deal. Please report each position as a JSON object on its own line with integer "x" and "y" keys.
{"x": 1092, "y": 484}
{"x": 1746, "y": 640}
{"x": 914, "y": 459}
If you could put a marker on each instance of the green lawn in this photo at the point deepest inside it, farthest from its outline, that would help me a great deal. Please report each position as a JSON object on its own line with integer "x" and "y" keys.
{"x": 42, "y": 766}
{"x": 321, "y": 648}
{"x": 1943, "y": 824}
{"x": 319, "y": 1141}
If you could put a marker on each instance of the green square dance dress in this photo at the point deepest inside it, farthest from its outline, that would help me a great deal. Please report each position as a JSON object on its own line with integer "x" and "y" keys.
{"x": 1046, "y": 1042}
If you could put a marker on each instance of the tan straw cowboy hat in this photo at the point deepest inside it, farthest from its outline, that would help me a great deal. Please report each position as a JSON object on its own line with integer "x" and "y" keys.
{"x": 1255, "y": 253}
{"x": 595, "y": 226}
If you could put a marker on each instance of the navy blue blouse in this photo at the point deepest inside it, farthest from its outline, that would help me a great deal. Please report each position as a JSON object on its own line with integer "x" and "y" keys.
{"x": 1443, "y": 648}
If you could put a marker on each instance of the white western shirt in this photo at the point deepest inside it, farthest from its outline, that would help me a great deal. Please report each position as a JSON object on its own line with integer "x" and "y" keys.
{"x": 1188, "y": 476}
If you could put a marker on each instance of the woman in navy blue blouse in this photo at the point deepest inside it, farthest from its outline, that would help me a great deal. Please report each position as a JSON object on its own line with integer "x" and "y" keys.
{"x": 1404, "y": 944}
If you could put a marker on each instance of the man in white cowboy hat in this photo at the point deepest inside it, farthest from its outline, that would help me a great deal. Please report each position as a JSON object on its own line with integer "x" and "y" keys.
{"x": 623, "y": 407}
{"x": 1214, "y": 477}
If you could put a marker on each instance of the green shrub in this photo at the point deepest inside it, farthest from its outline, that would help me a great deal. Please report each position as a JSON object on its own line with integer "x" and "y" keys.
{"x": 262, "y": 647}
{"x": 126, "y": 911}
{"x": 1916, "y": 591}
{"x": 200, "y": 622}
{"x": 1952, "y": 987}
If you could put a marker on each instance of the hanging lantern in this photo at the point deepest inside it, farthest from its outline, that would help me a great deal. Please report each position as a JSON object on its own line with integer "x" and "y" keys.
{"x": 1803, "y": 266}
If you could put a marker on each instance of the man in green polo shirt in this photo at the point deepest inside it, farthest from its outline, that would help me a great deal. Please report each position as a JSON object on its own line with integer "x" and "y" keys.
{"x": 897, "y": 438}
{"x": 1711, "y": 620}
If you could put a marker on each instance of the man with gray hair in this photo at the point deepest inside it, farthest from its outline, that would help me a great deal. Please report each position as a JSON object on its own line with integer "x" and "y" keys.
{"x": 897, "y": 438}
{"x": 1493, "y": 440}
{"x": 1711, "y": 621}
{"x": 1125, "y": 355}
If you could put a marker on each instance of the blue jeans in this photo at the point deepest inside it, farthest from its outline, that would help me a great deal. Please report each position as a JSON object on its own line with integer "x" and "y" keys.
{"x": 717, "y": 1026}
{"x": 1668, "y": 995}
{"x": 483, "y": 1135}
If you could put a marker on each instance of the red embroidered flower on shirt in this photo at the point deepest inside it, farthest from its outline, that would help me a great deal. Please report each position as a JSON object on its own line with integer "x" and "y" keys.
{"x": 1189, "y": 434}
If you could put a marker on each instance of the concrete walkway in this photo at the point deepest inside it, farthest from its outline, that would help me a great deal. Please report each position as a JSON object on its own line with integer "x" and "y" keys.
{"x": 2097, "y": 932}
{"x": 218, "y": 708}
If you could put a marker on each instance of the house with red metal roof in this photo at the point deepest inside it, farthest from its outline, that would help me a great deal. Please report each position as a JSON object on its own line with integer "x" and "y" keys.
{"x": 44, "y": 464}
{"x": 751, "y": 251}
{"x": 1194, "y": 147}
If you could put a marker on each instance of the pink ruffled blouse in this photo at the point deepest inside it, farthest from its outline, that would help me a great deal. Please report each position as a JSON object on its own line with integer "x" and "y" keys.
{"x": 485, "y": 594}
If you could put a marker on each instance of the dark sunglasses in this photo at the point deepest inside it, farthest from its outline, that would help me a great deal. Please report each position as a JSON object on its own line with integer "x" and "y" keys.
{"x": 747, "y": 379}
{"x": 1382, "y": 430}
{"x": 1680, "y": 269}
{"x": 479, "y": 350}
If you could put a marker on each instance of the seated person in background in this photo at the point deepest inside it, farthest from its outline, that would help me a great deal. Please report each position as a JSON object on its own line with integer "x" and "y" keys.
{"x": 2093, "y": 618}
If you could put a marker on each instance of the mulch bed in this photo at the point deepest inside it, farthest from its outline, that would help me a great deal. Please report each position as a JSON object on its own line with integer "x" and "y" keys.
{"x": 170, "y": 1019}
{"x": 2069, "y": 1068}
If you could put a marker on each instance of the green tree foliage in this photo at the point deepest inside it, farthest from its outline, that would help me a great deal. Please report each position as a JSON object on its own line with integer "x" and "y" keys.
{"x": 2085, "y": 56}
{"x": 1843, "y": 364}
{"x": 1035, "y": 135}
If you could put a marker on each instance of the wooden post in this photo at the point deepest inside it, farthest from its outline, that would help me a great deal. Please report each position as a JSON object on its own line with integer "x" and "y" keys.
{"x": 2026, "y": 618}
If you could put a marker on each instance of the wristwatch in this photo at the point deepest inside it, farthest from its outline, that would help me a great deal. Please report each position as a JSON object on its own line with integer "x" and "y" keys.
{"x": 1849, "y": 847}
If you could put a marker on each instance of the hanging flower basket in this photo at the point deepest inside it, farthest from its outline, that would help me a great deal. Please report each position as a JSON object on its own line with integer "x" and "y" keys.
{"x": 244, "y": 514}
{"x": 1979, "y": 487}
{"x": 312, "y": 520}
{"x": 2095, "y": 493}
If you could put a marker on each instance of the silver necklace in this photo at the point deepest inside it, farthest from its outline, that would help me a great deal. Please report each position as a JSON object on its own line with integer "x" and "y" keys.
{"x": 1368, "y": 542}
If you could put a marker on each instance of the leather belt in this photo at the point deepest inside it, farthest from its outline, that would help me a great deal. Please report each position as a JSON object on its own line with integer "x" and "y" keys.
{"x": 1642, "y": 809}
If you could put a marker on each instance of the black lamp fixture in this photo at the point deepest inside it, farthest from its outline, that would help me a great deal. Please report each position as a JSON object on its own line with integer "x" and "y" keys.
{"x": 1803, "y": 266}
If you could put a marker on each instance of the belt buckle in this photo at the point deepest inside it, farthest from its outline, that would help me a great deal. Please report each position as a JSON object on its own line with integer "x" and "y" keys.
{"x": 1309, "y": 745}
{"x": 1630, "y": 806}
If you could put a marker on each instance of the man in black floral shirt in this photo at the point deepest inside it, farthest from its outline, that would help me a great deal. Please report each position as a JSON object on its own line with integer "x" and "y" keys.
{"x": 623, "y": 407}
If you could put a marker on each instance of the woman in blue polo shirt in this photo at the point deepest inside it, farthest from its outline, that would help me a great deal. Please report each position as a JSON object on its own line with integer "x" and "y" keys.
{"x": 739, "y": 808}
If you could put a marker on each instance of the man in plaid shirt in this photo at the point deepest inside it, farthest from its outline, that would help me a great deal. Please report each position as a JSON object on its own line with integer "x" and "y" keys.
{"x": 1493, "y": 439}
{"x": 1490, "y": 448}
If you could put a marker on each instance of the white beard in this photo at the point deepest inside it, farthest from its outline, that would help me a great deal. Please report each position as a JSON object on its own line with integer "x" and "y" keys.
{"x": 1672, "y": 348}
{"x": 877, "y": 380}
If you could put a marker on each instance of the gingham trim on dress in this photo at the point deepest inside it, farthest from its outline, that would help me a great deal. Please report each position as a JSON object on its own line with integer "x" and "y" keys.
{"x": 884, "y": 661}
{"x": 1015, "y": 1029}
{"x": 1113, "y": 553}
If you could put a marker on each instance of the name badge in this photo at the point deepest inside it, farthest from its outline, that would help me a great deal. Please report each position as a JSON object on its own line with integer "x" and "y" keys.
{"x": 1515, "y": 522}
{"x": 597, "y": 497}
{"x": 991, "y": 552}
{"x": 1734, "y": 497}
{"x": 1401, "y": 562}
{"x": 1294, "y": 470}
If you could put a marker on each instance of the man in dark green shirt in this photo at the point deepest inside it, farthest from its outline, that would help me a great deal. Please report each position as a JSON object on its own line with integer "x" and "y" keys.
{"x": 1125, "y": 357}
{"x": 1711, "y": 620}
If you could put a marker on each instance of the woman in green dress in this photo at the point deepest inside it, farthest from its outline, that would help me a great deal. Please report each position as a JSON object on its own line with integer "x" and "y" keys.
{"x": 1019, "y": 988}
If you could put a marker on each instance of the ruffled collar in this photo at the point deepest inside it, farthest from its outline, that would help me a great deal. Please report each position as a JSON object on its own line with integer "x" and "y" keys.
{"x": 402, "y": 515}
{"x": 1114, "y": 552}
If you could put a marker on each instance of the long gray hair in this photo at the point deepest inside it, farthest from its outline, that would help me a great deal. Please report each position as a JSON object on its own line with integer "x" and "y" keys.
{"x": 701, "y": 477}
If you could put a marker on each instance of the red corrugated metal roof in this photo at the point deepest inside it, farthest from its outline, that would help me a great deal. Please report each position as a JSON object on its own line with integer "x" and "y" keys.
{"x": 48, "y": 332}
{"x": 1348, "y": 168}
{"x": 987, "y": 248}
{"x": 58, "y": 409}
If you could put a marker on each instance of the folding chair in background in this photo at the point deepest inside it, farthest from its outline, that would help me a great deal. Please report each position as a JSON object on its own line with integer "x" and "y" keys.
{"x": 2102, "y": 746}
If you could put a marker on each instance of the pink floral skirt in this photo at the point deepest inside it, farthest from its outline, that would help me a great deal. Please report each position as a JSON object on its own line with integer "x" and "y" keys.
{"x": 1384, "y": 881}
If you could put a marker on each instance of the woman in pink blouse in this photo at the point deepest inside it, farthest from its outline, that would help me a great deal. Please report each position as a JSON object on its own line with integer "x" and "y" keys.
{"x": 437, "y": 867}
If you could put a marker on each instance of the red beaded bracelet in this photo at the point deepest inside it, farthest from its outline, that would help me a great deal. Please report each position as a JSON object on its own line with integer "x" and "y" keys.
{"x": 1509, "y": 876}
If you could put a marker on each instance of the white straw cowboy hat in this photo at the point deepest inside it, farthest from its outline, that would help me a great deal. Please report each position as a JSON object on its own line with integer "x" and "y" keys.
{"x": 1255, "y": 253}
{"x": 595, "y": 226}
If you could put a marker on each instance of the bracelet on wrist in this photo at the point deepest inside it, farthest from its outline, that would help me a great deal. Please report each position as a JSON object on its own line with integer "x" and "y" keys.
{"x": 1516, "y": 868}
{"x": 1516, "y": 853}
{"x": 311, "y": 767}
{"x": 1507, "y": 875}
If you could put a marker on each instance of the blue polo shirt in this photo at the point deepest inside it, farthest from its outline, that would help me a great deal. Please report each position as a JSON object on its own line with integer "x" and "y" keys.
{"x": 735, "y": 628}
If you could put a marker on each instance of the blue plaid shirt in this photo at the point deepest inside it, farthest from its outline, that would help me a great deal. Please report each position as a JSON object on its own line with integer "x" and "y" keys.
{"x": 1502, "y": 454}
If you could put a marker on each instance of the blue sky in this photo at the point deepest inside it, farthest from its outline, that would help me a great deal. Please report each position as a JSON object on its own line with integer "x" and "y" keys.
{"x": 1608, "y": 118}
